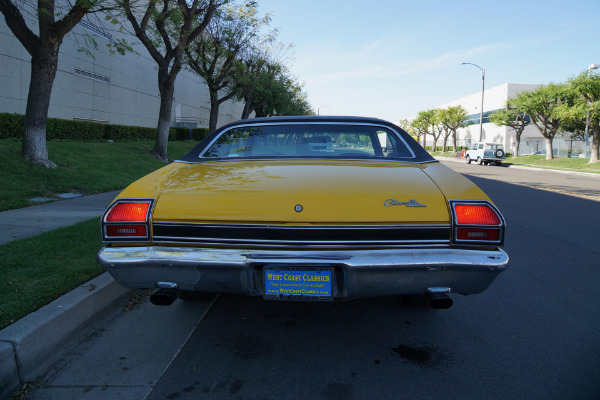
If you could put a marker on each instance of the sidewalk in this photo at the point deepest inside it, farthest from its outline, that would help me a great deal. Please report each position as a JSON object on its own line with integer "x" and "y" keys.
{"x": 30, "y": 221}
{"x": 29, "y": 346}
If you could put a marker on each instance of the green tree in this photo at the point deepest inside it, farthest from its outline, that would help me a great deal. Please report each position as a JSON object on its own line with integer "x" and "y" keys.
{"x": 584, "y": 105}
{"x": 406, "y": 125}
{"x": 423, "y": 123}
{"x": 213, "y": 54}
{"x": 512, "y": 118}
{"x": 541, "y": 106}
{"x": 454, "y": 118}
{"x": 166, "y": 28}
{"x": 54, "y": 22}
{"x": 437, "y": 128}
{"x": 285, "y": 98}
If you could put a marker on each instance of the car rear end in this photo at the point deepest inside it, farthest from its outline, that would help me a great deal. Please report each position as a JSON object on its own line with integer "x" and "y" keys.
{"x": 305, "y": 229}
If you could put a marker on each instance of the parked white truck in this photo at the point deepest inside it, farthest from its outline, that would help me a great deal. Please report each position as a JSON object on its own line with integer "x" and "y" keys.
{"x": 485, "y": 153}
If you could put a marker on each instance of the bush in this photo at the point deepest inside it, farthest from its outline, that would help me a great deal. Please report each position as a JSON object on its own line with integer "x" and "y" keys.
{"x": 73, "y": 130}
{"x": 199, "y": 134}
{"x": 126, "y": 132}
{"x": 179, "y": 133}
{"x": 11, "y": 127}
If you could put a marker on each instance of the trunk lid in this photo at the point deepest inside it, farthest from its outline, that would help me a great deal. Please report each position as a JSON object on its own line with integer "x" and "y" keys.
{"x": 328, "y": 192}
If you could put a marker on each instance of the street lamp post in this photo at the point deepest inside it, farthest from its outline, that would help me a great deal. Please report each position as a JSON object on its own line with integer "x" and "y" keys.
{"x": 319, "y": 109}
{"x": 482, "y": 91}
{"x": 587, "y": 117}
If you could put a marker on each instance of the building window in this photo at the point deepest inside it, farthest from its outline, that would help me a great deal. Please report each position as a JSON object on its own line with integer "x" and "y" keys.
{"x": 91, "y": 75}
{"x": 100, "y": 121}
{"x": 96, "y": 30}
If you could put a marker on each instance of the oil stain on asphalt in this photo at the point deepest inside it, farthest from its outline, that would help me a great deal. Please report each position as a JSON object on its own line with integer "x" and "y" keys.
{"x": 422, "y": 356}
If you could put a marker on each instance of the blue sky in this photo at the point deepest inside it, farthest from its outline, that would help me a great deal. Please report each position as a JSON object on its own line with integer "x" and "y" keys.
{"x": 392, "y": 59}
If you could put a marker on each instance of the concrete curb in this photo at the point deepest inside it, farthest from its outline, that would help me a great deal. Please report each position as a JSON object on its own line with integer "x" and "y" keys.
{"x": 29, "y": 346}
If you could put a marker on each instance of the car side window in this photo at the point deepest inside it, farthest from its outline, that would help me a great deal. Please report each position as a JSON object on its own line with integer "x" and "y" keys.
{"x": 392, "y": 146}
{"x": 480, "y": 146}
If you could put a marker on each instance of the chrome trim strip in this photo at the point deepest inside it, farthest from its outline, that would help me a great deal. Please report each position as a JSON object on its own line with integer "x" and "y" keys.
{"x": 313, "y": 123}
{"x": 301, "y": 235}
{"x": 320, "y": 245}
{"x": 396, "y": 160}
{"x": 291, "y": 244}
{"x": 290, "y": 226}
{"x": 333, "y": 242}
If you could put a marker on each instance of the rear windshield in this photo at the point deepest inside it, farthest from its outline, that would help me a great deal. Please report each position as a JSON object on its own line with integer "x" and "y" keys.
{"x": 308, "y": 140}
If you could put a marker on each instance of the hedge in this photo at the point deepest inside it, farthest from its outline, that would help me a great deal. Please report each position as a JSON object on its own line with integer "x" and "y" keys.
{"x": 199, "y": 133}
{"x": 448, "y": 148}
{"x": 11, "y": 127}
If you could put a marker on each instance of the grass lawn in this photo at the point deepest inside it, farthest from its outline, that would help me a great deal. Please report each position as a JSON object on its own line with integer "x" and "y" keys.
{"x": 37, "y": 270}
{"x": 83, "y": 167}
{"x": 562, "y": 163}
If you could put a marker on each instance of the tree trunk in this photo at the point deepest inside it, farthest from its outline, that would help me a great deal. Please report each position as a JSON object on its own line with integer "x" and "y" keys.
{"x": 454, "y": 149}
{"x": 247, "y": 110}
{"x": 214, "y": 112}
{"x": 44, "y": 62}
{"x": 595, "y": 143}
{"x": 549, "y": 152}
{"x": 517, "y": 144}
{"x": 166, "y": 87}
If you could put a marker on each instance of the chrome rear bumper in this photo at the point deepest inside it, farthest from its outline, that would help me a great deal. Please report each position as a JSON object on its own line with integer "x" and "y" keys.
{"x": 357, "y": 273}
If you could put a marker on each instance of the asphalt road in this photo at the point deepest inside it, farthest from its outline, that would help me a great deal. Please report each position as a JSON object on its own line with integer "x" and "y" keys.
{"x": 533, "y": 334}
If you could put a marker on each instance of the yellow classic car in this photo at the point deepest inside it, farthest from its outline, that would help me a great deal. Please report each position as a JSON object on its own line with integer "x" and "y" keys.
{"x": 305, "y": 208}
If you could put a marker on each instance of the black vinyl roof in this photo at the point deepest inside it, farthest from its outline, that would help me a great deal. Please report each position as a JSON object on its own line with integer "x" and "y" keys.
{"x": 420, "y": 154}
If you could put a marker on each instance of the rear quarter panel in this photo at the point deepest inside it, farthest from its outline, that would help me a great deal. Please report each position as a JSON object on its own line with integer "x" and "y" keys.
{"x": 453, "y": 185}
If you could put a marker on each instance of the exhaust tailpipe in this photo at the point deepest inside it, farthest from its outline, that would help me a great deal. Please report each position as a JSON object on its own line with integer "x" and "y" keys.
{"x": 440, "y": 301}
{"x": 163, "y": 297}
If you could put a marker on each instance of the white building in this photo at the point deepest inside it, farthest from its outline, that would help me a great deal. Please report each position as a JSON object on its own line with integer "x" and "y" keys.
{"x": 107, "y": 88}
{"x": 495, "y": 99}
{"x": 532, "y": 142}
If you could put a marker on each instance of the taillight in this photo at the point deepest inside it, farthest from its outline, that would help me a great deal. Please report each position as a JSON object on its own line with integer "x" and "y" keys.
{"x": 127, "y": 220}
{"x": 128, "y": 212}
{"x": 476, "y": 222}
{"x": 476, "y": 214}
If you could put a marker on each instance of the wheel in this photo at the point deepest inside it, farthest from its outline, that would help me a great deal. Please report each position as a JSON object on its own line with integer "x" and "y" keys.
{"x": 485, "y": 163}
{"x": 479, "y": 160}
{"x": 468, "y": 160}
{"x": 498, "y": 163}
{"x": 499, "y": 153}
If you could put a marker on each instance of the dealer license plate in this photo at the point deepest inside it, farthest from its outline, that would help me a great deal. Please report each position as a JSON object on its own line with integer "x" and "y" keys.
{"x": 298, "y": 283}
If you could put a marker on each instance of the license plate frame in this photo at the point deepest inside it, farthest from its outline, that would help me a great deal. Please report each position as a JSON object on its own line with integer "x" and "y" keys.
{"x": 298, "y": 282}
